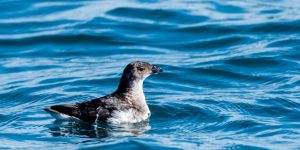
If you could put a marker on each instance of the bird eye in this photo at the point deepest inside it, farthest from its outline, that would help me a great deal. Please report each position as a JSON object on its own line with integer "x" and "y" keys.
{"x": 141, "y": 69}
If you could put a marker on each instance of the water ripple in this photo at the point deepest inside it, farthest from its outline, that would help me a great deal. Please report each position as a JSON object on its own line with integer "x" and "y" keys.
{"x": 231, "y": 78}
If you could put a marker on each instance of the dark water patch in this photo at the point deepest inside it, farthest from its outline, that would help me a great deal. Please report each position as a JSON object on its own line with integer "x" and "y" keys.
{"x": 271, "y": 11}
{"x": 166, "y": 112}
{"x": 11, "y": 53}
{"x": 66, "y": 39}
{"x": 173, "y": 86}
{"x": 191, "y": 113}
{"x": 97, "y": 23}
{"x": 29, "y": 68}
{"x": 286, "y": 103}
{"x": 276, "y": 133}
{"x": 95, "y": 81}
{"x": 237, "y": 125}
{"x": 188, "y": 81}
{"x": 209, "y": 30}
{"x": 108, "y": 51}
{"x": 14, "y": 96}
{"x": 275, "y": 27}
{"x": 226, "y": 8}
{"x": 227, "y": 74}
{"x": 62, "y": 79}
{"x": 294, "y": 55}
{"x": 73, "y": 98}
{"x": 30, "y": 27}
{"x": 5, "y": 122}
{"x": 213, "y": 43}
{"x": 14, "y": 7}
{"x": 262, "y": 62}
{"x": 277, "y": 112}
{"x": 142, "y": 28}
{"x": 158, "y": 15}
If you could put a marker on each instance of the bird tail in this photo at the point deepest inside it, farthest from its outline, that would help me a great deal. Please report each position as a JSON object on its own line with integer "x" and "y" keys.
{"x": 63, "y": 112}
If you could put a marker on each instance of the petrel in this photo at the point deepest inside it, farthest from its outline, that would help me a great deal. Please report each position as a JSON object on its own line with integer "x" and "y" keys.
{"x": 126, "y": 105}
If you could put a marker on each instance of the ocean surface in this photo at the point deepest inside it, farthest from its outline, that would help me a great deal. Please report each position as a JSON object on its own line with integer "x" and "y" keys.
{"x": 231, "y": 72}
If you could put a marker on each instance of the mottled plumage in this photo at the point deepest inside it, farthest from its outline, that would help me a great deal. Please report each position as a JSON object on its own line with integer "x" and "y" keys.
{"x": 126, "y": 104}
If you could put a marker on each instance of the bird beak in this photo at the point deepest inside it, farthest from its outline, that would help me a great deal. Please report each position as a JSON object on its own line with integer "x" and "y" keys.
{"x": 156, "y": 69}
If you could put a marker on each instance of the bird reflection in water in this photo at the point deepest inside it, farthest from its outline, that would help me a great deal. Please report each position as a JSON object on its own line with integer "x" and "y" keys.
{"x": 99, "y": 130}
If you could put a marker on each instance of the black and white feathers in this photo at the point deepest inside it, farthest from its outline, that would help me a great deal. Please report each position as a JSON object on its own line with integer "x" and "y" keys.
{"x": 126, "y": 104}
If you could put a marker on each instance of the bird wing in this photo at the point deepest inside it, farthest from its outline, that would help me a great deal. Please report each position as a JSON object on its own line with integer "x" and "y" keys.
{"x": 86, "y": 111}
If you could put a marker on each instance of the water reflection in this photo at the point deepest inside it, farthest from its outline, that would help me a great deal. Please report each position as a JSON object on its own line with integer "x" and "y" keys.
{"x": 99, "y": 130}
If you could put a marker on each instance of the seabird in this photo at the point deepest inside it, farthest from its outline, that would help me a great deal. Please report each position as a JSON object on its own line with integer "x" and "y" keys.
{"x": 126, "y": 104}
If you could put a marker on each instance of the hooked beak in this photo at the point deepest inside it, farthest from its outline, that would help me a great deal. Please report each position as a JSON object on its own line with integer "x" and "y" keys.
{"x": 156, "y": 69}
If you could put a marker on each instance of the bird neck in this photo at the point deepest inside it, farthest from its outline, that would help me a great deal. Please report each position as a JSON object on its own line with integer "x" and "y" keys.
{"x": 131, "y": 86}
{"x": 132, "y": 90}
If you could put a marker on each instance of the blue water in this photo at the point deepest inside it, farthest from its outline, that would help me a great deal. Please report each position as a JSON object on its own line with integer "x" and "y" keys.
{"x": 231, "y": 80}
